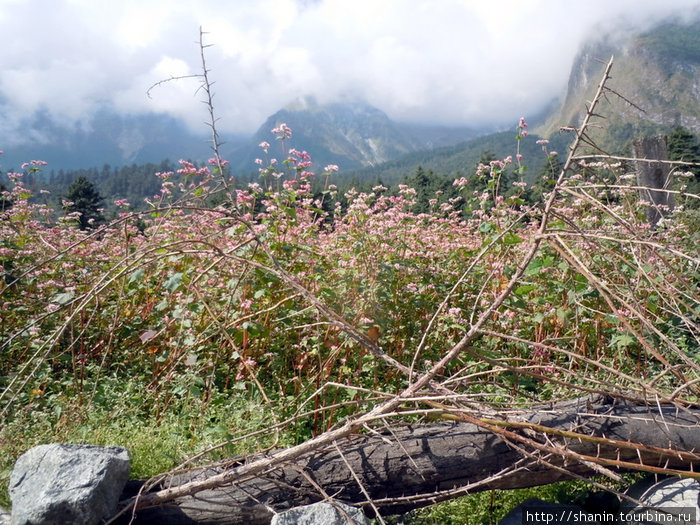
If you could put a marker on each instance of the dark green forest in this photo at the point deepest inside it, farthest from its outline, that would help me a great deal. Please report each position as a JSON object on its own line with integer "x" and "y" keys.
{"x": 429, "y": 172}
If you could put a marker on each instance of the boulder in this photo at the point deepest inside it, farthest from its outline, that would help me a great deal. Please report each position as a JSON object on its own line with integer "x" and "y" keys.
{"x": 67, "y": 484}
{"x": 5, "y": 517}
{"x": 676, "y": 495}
{"x": 321, "y": 514}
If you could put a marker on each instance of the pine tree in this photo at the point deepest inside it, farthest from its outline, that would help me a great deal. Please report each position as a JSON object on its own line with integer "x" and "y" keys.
{"x": 422, "y": 183}
{"x": 684, "y": 146}
{"x": 83, "y": 197}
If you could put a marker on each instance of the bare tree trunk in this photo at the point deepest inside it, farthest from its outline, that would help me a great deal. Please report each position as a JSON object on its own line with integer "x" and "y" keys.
{"x": 415, "y": 466}
{"x": 654, "y": 176}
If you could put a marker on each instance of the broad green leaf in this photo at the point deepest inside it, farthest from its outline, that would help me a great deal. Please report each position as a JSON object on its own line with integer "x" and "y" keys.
{"x": 162, "y": 305}
{"x": 174, "y": 282}
{"x": 511, "y": 238}
{"x": 485, "y": 227}
{"x": 525, "y": 289}
{"x": 137, "y": 275}
{"x": 63, "y": 298}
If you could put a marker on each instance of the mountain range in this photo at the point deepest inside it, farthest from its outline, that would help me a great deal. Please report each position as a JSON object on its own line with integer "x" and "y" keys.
{"x": 352, "y": 134}
{"x": 655, "y": 72}
{"x": 108, "y": 138}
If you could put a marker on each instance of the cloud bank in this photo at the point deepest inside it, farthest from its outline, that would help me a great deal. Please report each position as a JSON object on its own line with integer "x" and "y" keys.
{"x": 459, "y": 62}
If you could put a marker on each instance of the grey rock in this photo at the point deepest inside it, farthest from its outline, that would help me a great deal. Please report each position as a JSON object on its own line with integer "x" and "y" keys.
{"x": 67, "y": 484}
{"x": 681, "y": 494}
{"x": 321, "y": 514}
{"x": 542, "y": 512}
{"x": 4, "y": 517}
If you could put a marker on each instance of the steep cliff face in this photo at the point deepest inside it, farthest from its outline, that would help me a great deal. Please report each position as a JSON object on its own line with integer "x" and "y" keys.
{"x": 657, "y": 71}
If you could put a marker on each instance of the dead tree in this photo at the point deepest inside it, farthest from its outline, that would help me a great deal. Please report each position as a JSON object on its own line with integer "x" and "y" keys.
{"x": 654, "y": 178}
{"x": 411, "y": 467}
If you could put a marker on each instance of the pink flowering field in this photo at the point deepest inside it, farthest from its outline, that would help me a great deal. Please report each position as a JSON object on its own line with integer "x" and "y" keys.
{"x": 285, "y": 296}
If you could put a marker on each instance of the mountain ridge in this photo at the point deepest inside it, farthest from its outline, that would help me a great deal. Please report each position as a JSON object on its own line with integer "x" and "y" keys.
{"x": 655, "y": 79}
{"x": 352, "y": 134}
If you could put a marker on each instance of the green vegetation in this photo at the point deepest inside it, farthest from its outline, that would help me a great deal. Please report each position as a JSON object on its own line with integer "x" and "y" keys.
{"x": 489, "y": 507}
{"x": 84, "y": 202}
{"x": 679, "y": 42}
{"x": 190, "y": 324}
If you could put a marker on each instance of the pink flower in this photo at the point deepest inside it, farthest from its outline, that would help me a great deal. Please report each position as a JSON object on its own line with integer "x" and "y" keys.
{"x": 264, "y": 145}
{"x": 246, "y": 304}
{"x": 331, "y": 168}
{"x": 522, "y": 123}
{"x": 283, "y": 131}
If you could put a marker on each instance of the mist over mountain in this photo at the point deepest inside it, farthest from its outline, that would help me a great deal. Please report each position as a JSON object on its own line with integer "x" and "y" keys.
{"x": 350, "y": 134}
{"x": 656, "y": 74}
{"x": 657, "y": 71}
{"x": 107, "y": 138}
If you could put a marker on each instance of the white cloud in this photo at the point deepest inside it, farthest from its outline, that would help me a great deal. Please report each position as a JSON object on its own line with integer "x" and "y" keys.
{"x": 452, "y": 61}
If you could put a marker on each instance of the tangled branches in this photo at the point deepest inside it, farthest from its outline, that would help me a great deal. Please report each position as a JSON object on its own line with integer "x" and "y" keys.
{"x": 379, "y": 317}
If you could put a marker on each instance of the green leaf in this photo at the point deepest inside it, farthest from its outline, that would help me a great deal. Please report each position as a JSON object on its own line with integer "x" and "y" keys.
{"x": 621, "y": 341}
{"x": 485, "y": 227}
{"x": 533, "y": 268}
{"x": 174, "y": 282}
{"x": 511, "y": 238}
{"x": 63, "y": 298}
{"x": 254, "y": 329}
{"x": 525, "y": 289}
{"x": 137, "y": 275}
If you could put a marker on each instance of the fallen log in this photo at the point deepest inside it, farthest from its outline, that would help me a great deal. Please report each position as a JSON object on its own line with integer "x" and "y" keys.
{"x": 414, "y": 466}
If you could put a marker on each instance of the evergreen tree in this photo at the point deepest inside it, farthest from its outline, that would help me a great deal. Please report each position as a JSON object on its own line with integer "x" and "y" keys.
{"x": 684, "y": 146}
{"x": 422, "y": 183}
{"x": 83, "y": 197}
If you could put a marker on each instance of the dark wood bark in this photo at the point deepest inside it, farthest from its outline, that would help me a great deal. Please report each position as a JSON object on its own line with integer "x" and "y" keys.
{"x": 654, "y": 176}
{"x": 404, "y": 469}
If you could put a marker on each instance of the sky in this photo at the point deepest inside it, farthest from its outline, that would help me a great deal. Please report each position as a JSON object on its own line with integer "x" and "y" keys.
{"x": 454, "y": 62}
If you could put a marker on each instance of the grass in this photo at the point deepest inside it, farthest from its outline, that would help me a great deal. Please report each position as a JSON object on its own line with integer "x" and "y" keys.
{"x": 485, "y": 508}
{"x": 156, "y": 445}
